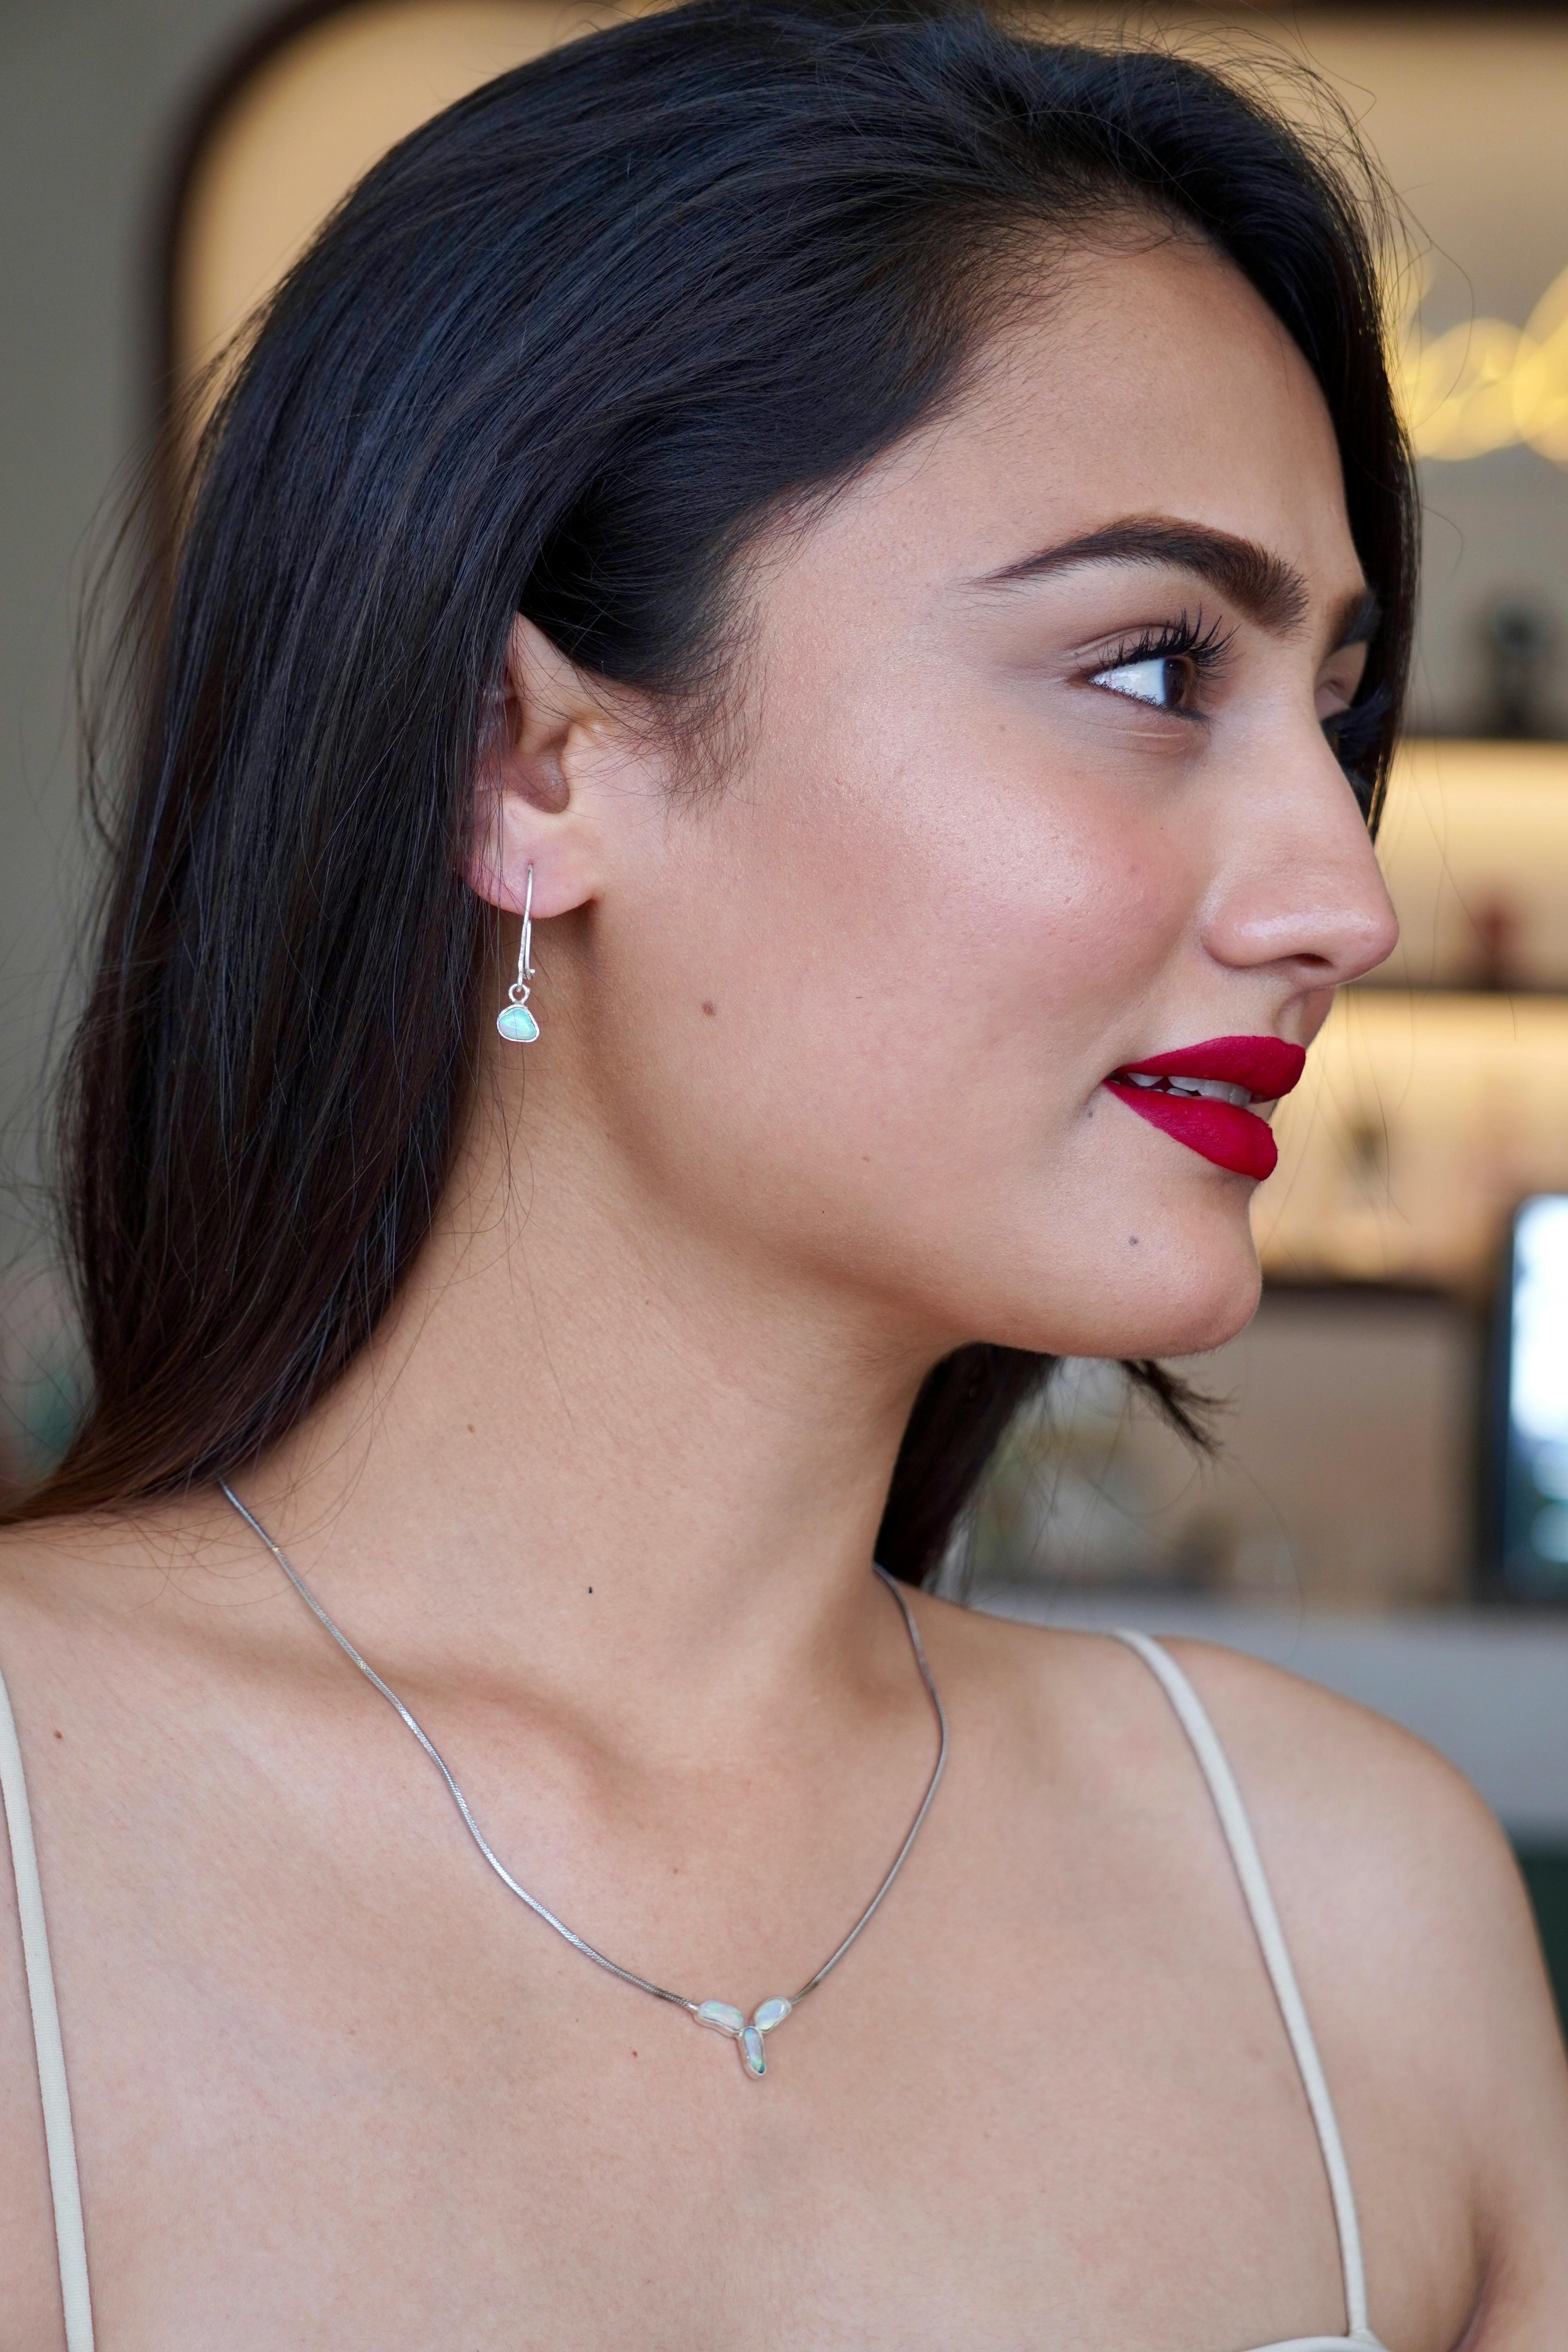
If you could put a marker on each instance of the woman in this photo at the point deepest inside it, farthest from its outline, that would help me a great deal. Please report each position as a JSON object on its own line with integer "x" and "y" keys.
{"x": 890, "y": 546}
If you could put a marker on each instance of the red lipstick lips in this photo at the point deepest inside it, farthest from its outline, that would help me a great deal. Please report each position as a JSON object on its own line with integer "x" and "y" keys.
{"x": 1199, "y": 1093}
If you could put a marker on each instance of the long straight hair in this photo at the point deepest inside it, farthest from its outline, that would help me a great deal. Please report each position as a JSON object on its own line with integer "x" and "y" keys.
{"x": 563, "y": 353}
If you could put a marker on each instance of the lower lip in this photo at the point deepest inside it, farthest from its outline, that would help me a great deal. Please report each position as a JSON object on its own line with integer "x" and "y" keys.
{"x": 1221, "y": 1131}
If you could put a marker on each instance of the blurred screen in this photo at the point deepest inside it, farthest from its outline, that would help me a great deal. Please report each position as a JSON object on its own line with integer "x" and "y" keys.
{"x": 1535, "y": 1469}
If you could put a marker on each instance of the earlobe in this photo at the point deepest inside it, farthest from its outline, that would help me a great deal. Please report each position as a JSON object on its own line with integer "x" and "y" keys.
{"x": 514, "y": 838}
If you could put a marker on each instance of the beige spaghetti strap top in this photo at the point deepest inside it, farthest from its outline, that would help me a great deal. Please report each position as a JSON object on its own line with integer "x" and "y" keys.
{"x": 59, "y": 2138}
{"x": 1215, "y": 1768}
{"x": 66, "y": 2190}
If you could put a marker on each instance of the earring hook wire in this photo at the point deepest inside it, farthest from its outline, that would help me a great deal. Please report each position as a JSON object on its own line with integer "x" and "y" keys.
{"x": 517, "y": 993}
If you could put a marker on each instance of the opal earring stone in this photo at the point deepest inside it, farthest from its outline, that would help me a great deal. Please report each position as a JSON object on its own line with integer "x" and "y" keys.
{"x": 517, "y": 1024}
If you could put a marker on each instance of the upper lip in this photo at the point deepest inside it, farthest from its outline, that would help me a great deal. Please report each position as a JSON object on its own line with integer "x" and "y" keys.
{"x": 1267, "y": 1067}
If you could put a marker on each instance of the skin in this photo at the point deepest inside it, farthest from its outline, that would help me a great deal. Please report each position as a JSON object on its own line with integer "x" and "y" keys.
{"x": 818, "y": 1097}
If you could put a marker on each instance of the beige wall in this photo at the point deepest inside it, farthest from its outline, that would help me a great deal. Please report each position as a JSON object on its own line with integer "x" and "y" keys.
{"x": 91, "y": 93}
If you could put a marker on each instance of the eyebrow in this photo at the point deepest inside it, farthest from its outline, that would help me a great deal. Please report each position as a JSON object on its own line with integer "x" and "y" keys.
{"x": 1257, "y": 582}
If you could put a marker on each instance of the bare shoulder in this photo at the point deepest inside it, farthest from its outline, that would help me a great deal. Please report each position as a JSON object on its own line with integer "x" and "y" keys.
{"x": 84, "y": 1611}
{"x": 1357, "y": 1815}
{"x": 1402, "y": 1908}
{"x": 63, "y": 1579}
{"x": 1371, "y": 1828}
{"x": 1418, "y": 1950}
{"x": 38, "y": 1567}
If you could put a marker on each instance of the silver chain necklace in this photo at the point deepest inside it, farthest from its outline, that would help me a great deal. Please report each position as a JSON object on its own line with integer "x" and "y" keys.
{"x": 720, "y": 2016}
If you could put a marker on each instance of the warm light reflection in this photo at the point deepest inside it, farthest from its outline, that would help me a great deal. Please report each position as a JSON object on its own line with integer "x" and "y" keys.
{"x": 1474, "y": 844}
{"x": 1489, "y": 385}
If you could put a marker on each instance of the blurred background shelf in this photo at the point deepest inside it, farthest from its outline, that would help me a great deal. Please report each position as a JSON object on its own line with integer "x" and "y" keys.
{"x": 1346, "y": 1427}
{"x": 1474, "y": 844}
{"x": 1436, "y": 1098}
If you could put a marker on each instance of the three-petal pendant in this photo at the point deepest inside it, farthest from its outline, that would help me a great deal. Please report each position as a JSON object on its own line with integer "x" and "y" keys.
{"x": 725, "y": 2018}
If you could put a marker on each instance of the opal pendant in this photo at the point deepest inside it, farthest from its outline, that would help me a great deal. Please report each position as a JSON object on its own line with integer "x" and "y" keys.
{"x": 517, "y": 1024}
{"x": 725, "y": 2018}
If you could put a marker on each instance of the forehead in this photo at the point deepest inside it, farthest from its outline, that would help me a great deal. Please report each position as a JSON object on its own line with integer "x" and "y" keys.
{"x": 1147, "y": 378}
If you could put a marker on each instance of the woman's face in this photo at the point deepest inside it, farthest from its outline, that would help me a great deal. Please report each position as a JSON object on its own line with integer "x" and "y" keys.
{"x": 1032, "y": 788}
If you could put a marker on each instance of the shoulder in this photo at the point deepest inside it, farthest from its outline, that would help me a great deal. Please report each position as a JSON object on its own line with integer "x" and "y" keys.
{"x": 1378, "y": 1850}
{"x": 1367, "y": 1827}
{"x": 1353, "y": 1806}
{"x": 1405, "y": 1915}
{"x": 1419, "y": 1957}
{"x": 34, "y": 1614}
{"x": 108, "y": 1626}
{"x": 118, "y": 1573}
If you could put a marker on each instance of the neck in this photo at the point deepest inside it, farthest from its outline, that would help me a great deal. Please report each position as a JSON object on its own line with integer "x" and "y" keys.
{"x": 594, "y": 1452}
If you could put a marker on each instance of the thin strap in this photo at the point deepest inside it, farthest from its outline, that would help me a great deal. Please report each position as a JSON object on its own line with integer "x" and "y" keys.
{"x": 1243, "y": 1853}
{"x": 58, "y": 2137}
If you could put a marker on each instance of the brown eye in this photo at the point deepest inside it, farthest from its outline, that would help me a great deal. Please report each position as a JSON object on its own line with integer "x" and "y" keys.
{"x": 1181, "y": 681}
{"x": 1165, "y": 681}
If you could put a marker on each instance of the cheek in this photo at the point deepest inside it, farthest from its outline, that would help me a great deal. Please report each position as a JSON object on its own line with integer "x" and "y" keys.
{"x": 1019, "y": 903}
{"x": 925, "y": 940}
{"x": 923, "y": 946}
{"x": 952, "y": 871}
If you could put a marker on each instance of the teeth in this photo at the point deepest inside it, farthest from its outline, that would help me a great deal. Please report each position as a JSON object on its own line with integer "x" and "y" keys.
{"x": 1212, "y": 1089}
{"x": 1203, "y": 1090}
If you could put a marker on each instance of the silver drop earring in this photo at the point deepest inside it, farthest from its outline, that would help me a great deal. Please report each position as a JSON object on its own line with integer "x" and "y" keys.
{"x": 514, "y": 1019}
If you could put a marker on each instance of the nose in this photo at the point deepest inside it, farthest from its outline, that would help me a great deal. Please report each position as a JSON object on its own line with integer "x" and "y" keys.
{"x": 1302, "y": 889}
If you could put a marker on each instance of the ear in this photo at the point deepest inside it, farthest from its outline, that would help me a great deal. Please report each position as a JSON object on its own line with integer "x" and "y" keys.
{"x": 540, "y": 731}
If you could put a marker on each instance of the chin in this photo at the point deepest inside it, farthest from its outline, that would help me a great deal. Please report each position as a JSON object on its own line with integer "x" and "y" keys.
{"x": 1208, "y": 1297}
{"x": 1182, "y": 1288}
{"x": 1202, "y": 1323}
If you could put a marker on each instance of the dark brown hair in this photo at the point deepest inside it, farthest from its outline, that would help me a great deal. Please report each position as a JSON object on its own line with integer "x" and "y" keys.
{"x": 563, "y": 351}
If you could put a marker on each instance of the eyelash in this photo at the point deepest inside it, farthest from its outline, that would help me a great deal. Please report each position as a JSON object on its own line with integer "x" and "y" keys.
{"x": 1355, "y": 736}
{"x": 1183, "y": 640}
